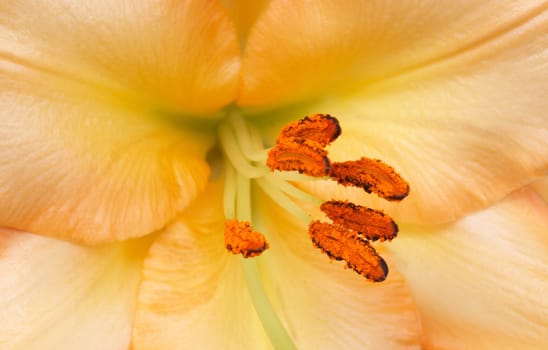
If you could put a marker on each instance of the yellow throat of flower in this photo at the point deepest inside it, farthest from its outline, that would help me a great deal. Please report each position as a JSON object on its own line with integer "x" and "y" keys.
{"x": 300, "y": 154}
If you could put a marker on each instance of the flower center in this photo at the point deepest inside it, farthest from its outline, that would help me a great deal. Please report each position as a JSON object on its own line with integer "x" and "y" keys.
{"x": 300, "y": 150}
{"x": 300, "y": 154}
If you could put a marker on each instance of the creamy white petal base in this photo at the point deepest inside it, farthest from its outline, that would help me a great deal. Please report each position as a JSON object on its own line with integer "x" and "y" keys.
{"x": 58, "y": 295}
{"x": 481, "y": 283}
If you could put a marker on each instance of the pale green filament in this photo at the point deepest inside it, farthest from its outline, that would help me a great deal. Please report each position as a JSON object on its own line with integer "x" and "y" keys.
{"x": 291, "y": 190}
{"x": 243, "y": 198}
{"x": 229, "y": 194}
{"x": 248, "y": 138}
{"x": 235, "y": 155}
{"x": 282, "y": 200}
{"x": 257, "y": 141}
{"x": 269, "y": 318}
{"x": 272, "y": 325}
{"x": 235, "y": 137}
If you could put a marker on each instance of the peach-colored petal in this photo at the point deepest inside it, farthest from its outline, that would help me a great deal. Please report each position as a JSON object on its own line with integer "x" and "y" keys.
{"x": 325, "y": 306}
{"x": 175, "y": 55}
{"x": 463, "y": 131}
{"x": 57, "y": 295}
{"x": 541, "y": 187}
{"x": 481, "y": 283}
{"x": 244, "y": 13}
{"x": 298, "y": 50}
{"x": 193, "y": 294}
{"x": 90, "y": 148}
{"x": 80, "y": 166}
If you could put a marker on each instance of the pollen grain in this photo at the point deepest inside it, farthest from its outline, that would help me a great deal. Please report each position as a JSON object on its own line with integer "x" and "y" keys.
{"x": 241, "y": 238}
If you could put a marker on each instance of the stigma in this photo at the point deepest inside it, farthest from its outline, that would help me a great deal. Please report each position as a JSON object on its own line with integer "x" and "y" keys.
{"x": 346, "y": 230}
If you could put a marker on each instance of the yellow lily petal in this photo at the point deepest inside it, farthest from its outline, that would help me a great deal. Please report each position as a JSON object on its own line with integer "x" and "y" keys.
{"x": 481, "y": 283}
{"x": 456, "y": 156}
{"x": 57, "y": 295}
{"x": 464, "y": 130}
{"x": 88, "y": 150}
{"x": 177, "y": 55}
{"x": 297, "y": 50}
{"x": 325, "y": 306}
{"x": 193, "y": 294}
{"x": 244, "y": 13}
{"x": 83, "y": 167}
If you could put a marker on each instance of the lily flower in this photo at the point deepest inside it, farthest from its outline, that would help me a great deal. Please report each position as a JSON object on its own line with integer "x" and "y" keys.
{"x": 134, "y": 143}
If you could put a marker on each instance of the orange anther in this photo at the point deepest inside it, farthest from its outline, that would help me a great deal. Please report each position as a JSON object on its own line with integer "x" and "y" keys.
{"x": 340, "y": 243}
{"x": 240, "y": 238}
{"x": 370, "y": 223}
{"x": 372, "y": 175}
{"x": 304, "y": 156}
{"x": 301, "y": 147}
{"x": 321, "y": 128}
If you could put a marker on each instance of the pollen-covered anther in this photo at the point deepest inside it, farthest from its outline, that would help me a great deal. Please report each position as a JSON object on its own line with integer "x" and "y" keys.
{"x": 370, "y": 223}
{"x": 373, "y": 176}
{"x": 321, "y": 128}
{"x": 241, "y": 238}
{"x": 340, "y": 243}
{"x": 302, "y": 155}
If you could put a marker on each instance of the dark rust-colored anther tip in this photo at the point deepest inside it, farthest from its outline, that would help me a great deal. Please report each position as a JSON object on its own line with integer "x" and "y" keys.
{"x": 373, "y": 176}
{"x": 384, "y": 267}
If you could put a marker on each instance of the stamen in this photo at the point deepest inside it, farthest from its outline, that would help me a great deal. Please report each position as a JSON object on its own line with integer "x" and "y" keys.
{"x": 242, "y": 146}
{"x": 340, "y": 243}
{"x": 235, "y": 155}
{"x": 229, "y": 190}
{"x": 282, "y": 199}
{"x": 301, "y": 147}
{"x": 370, "y": 223}
{"x": 292, "y": 190}
{"x": 273, "y": 326}
{"x": 305, "y": 156}
{"x": 247, "y": 137}
{"x": 321, "y": 128}
{"x": 373, "y": 176}
{"x": 240, "y": 238}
